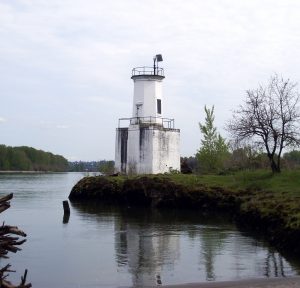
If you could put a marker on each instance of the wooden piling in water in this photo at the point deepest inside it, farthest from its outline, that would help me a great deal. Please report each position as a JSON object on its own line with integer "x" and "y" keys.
{"x": 66, "y": 207}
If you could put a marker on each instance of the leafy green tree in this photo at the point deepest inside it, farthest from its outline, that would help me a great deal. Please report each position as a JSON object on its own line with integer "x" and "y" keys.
{"x": 26, "y": 159}
{"x": 292, "y": 158}
{"x": 4, "y": 163}
{"x": 19, "y": 160}
{"x": 247, "y": 157}
{"x": 107, "y": 167}
{"x": 214, "y": 150}
{"x": 188, "y": 164}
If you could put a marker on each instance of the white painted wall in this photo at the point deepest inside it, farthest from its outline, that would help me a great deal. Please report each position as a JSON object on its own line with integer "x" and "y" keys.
{"x": 147, "y": 89}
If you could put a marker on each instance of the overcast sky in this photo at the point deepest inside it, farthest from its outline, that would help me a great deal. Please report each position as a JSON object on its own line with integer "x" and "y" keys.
{"x": 65, "y": 65}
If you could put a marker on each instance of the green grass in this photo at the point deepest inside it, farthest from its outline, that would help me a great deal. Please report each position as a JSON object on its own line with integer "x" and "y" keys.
{"x": 275, "y": 195}
{"x": 287, "y": 182}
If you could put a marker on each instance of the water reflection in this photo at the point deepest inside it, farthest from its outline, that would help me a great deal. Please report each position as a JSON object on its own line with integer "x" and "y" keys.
{"x": 274, "y": 263}
{"x": 183, "y": 246}
{"x": 66, "y": 218}
{"x": 144, "y": 247}
{"x": 211, "y": 246}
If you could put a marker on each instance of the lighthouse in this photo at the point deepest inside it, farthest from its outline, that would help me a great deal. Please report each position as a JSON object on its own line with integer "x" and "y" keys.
{"x": 147, "y": 143}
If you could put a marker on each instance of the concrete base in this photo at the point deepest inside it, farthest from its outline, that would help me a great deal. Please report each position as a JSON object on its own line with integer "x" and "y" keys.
{"x": 147, "y": 149}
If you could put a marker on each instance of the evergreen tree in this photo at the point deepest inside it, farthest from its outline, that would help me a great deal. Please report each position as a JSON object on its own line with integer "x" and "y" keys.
{"x": 214, "y": 149}
{"x": 107, "y": 167}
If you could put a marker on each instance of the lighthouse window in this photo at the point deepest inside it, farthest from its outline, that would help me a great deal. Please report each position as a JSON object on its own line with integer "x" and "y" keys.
{"x": 159, "y": 106}
{"x": 138, "y": 110}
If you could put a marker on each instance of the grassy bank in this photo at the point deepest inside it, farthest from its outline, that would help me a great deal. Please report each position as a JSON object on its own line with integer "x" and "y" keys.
{"x": 260, "y": 191}
{"x": 258, "y": 199}
{"x": 258, "y": 180}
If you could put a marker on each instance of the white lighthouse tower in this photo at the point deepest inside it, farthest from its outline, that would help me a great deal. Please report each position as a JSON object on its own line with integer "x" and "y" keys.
{"x": 147, "y": 143}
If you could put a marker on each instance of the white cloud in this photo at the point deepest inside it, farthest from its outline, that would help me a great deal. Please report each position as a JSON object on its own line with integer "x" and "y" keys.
{"x": 52, "y": 125}
{"x": 62, "y": 126}
{"x": 2, "y": 120}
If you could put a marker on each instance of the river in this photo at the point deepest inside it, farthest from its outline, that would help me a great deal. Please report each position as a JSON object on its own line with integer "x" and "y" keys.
{"x": 106, "y": 246}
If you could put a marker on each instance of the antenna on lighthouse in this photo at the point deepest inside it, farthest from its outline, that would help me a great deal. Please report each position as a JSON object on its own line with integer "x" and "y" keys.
{"x": 156, "y": 58}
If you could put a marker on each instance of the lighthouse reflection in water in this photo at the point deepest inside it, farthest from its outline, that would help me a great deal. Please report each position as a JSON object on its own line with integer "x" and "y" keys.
{"x": 168, "y": 247}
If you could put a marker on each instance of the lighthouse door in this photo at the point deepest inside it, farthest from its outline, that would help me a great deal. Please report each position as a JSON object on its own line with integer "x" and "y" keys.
{"x": 139, "y": 110}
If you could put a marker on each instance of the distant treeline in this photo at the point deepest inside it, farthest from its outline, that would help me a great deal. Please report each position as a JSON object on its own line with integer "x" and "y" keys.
{"x": 106, "y": 167}
{"x": 29, "y": 159}
{"x": 243, "y": 159}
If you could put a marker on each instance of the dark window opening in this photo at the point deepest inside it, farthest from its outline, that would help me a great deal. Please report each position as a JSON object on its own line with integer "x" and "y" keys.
{"x": 159, "y": 106}
{"x": 138, "y": 110}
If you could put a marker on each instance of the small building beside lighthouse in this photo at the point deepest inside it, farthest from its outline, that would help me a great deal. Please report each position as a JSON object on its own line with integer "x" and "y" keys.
{"x": 147, "y": 143}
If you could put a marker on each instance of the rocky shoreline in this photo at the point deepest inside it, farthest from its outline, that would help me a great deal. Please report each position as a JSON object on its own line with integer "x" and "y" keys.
{"x": 270, "y": 218}
{"x": 289, "y": 282}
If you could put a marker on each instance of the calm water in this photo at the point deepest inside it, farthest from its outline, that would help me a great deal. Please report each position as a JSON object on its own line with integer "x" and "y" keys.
{"x": 104, "y": 246}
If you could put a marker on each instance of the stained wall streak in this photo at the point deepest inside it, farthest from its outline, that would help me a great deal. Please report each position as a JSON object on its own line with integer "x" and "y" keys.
{"x": 121, "y": 149}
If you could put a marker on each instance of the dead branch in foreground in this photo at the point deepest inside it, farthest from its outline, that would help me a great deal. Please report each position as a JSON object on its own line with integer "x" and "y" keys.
{"x": 9, "y": 243}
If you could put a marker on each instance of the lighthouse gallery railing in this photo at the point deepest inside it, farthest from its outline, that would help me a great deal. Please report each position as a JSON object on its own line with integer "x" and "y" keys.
{"x": 150, "y": 120}
{"x": 139, "y": 71}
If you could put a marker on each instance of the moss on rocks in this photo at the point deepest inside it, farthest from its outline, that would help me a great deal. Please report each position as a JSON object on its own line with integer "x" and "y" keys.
{"x": 96, "y": 188}
{"x": 155, "y": 191}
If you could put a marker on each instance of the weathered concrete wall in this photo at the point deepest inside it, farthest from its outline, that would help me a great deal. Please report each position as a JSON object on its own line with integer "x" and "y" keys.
{"x": 150, "y": 150}
{"x": 139, "y": 151}
{"x": 166, "y": 155}
{"x": 121, "y": 149}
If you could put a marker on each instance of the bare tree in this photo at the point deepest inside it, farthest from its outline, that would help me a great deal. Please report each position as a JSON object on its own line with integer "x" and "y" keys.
{"x": 269, "y": 117}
